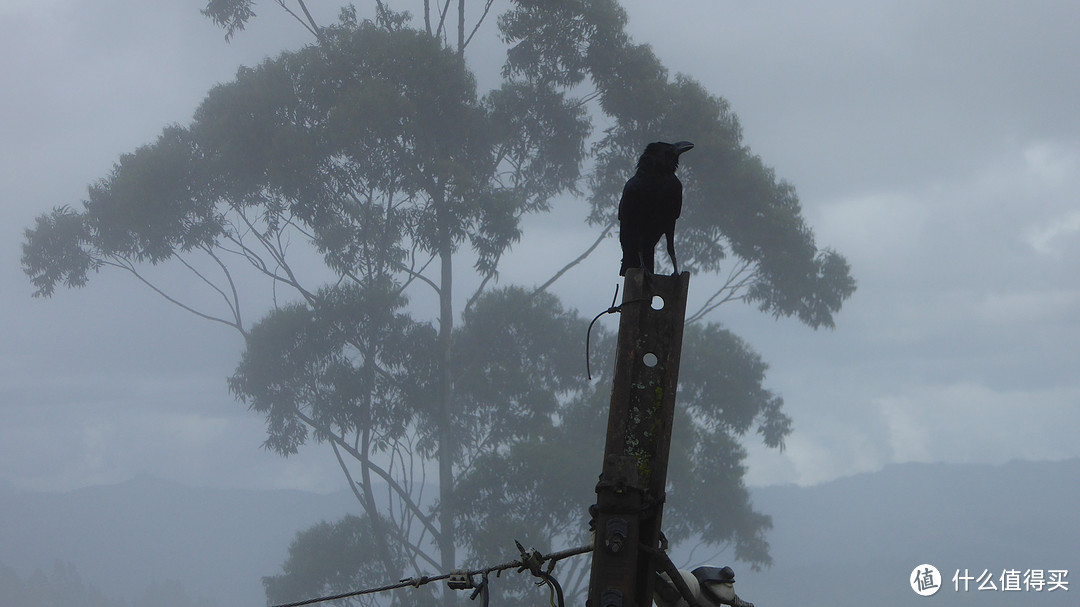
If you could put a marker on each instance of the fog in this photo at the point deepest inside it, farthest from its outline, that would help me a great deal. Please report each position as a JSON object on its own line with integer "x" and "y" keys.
{"x": 935, "y": 145}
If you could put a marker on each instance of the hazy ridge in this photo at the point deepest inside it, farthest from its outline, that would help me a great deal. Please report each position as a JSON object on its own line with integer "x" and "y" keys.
{"x": 855, "y": 540}
{"x": 852, "y": 541}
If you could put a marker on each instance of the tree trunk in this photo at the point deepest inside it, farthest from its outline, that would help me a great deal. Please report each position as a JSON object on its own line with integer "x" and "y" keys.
{"x": 446, "y": 447}
{"x": 461, "y": 27}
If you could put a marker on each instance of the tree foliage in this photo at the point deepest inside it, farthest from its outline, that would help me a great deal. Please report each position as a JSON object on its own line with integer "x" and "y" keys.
{"x": 373, "y": 147}
{"x": 721, "y": 400}
{"x": 734, "y": 205}
{"x": 334, "y": 558}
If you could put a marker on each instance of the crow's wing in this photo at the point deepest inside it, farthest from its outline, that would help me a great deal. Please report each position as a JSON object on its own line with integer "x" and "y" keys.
{"x": 634, "y": 223}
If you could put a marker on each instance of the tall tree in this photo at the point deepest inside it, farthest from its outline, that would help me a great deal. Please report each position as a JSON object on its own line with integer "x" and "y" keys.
{"x": 374, "y": 146}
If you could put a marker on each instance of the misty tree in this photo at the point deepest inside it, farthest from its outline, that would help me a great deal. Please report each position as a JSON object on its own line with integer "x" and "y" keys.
{"x": 372, "y": 153}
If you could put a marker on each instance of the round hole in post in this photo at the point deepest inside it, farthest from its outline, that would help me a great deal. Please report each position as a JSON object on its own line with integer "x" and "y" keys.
{"x": 657, "y": 302}
{"x": 650, "y": 359}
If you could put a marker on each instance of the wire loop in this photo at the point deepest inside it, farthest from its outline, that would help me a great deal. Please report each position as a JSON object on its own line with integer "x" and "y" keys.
{"x": 614, "y": 309}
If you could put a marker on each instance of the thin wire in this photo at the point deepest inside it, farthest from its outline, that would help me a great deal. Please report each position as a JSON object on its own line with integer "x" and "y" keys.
{"x": 403, "y": 583}
{"x": 416, "y": 582}
{"x": 612, "y": 310}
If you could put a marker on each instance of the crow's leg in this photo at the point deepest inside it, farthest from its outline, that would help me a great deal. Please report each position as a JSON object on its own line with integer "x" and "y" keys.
{"x": 648, "y": 267}
{"x": 671, "y": 252}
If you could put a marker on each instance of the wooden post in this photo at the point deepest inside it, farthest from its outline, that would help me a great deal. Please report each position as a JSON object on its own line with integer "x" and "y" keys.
{"x": 630, "y": 494}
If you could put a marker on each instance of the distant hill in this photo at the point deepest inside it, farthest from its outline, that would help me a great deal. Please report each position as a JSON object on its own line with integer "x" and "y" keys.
{"x": 217, "y": 542}
{"x": 851, "y": 542}
{"x": 854, "y": 541}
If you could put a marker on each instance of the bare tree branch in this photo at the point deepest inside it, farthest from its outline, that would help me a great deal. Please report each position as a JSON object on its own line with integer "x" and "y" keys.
{"x": 278, "y": 254}
{"x": 398, "y": 535}
{"x": 232, "y": 284}
{"x": 576, "y": 260}
{"x": 442, "y": 19}
{"x": 487, "y": 7}
{"x": 461, "y": 27}
{"x": 733, "y": 289}
{"x": 210, "y": 283}
{"x": 309, "y": 25}
{"x": 479, "y": 291}
{"x": 310, "y": 19}
{"x": 128, "y": 266}
{"x": 414, "y": 274}
{"x": 378, "y": 470}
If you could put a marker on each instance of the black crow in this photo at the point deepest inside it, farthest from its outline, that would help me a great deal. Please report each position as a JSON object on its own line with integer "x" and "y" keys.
{"x": 651, "y": 202}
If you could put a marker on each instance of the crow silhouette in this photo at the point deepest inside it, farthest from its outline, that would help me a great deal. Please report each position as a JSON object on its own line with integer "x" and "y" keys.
{"x": 651, "y": 202}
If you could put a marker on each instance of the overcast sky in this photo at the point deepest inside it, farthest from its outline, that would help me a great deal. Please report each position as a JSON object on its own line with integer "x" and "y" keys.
{"x": 935, "y": 144}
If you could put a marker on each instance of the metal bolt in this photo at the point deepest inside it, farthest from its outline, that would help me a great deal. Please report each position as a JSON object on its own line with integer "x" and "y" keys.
{"x": 616, "y": 534}
{"x": 611, "y": 598}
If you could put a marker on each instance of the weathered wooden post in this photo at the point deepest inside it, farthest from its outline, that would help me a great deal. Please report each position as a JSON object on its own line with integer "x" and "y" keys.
{"x": 630, "y": 494}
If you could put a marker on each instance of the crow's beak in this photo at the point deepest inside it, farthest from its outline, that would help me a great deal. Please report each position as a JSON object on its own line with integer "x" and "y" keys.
{"x": 682, "y": 146}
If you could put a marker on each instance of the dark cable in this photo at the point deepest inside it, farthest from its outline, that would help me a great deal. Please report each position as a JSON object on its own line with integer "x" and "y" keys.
{"x": 482, "y": 590}
{"x": 551, "y": 581}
